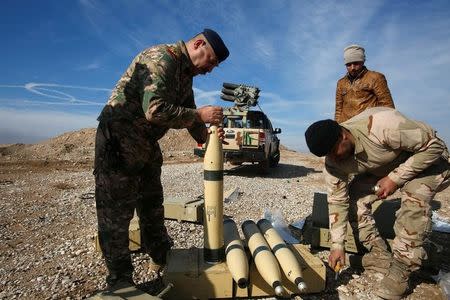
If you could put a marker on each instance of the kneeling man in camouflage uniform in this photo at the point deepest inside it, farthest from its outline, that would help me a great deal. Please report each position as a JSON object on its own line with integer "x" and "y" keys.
{"x": 154, "y": 94}
{"x": 383, "y": 148}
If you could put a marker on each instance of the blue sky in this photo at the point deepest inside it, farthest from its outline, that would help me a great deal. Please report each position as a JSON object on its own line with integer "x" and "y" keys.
{"x": 60, "y": 59}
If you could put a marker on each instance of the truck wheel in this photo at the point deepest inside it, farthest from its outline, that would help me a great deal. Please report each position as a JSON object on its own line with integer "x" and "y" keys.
{"x": 274, "y": 159}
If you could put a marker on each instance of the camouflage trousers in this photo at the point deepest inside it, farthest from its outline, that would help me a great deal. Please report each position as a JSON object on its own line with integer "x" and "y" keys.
{"x": 119, "y": 192}
{"x": 412, "y": 220}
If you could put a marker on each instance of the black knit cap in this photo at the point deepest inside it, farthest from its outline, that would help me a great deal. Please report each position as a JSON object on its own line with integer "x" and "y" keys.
{"x": 321, "y": 136}
{"x": 217, "y": 44}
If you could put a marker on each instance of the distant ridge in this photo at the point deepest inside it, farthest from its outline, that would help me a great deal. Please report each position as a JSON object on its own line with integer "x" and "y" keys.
{"x": 79, "y": 146}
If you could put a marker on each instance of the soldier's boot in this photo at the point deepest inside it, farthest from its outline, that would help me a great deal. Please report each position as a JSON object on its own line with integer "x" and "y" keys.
{"x": 159, "y": 257}
{"x": 378, "y": 259}
{"x": 156, "y": 265}
{"x": 395, "y": 283}
{"x": 120, "y": 274}
{"x": 118, "y": 281}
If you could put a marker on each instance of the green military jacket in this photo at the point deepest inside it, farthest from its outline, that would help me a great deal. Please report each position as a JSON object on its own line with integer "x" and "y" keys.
{"x": 386, "y": 144}
{"x": 155, "y": 92}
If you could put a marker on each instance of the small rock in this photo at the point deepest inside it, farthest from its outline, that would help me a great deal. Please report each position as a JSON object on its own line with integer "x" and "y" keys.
{"x": 78, "y": 252}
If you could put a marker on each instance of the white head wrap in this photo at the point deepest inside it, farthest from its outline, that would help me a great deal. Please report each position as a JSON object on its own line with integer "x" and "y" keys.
{"x": 354, "y": 53}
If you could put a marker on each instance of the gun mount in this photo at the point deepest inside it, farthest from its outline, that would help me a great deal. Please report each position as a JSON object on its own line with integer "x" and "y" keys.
{"x": 242, "y": 95}
{"x": 249, "y": 134}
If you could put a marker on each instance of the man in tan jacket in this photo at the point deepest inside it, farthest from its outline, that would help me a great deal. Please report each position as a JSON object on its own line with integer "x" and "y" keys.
{"x": 360, "y": 88}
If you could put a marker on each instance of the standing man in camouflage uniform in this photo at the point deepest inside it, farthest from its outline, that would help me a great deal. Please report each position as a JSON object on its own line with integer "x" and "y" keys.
{"x": 381, "y": 147}
{"x": 154, "y": 94}
{"x": 360, "y": 88}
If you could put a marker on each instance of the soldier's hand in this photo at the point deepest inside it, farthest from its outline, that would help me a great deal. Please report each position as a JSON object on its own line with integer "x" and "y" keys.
{"x": 335, "y": 257}
{"x": 210, "y": 114}
{"x": 385, "y": 187}
{"x": 221, "y": 134}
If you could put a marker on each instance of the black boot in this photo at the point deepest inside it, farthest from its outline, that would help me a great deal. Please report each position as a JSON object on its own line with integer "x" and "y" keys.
{"x": 159, "y": 257}
{"x": 120, "y": 274}
{"x": 118, "y": 281}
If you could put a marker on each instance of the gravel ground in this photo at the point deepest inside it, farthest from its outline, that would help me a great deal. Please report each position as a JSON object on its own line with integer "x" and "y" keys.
{"x": 48, "y": 222}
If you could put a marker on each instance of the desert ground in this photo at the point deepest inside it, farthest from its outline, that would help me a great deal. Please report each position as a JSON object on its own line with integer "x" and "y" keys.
{"x": 48, "y": 218}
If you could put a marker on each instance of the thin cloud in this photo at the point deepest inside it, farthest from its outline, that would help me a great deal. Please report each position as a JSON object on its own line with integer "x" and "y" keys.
{"x": 291, "y": 122}
{"x": 89, "y": 67}
{"x": 52, "y": 91}
{"x": 85, "y": 103}
{"x": 129, "y": 38}
{"x": 100, "y": 18}
{"x": 138, "y": 40}
{"x": 275, "y": 101}
{"x": 205, "y": 97}
{"x": 32, "y": 85}
{"x": 265, "y": 50}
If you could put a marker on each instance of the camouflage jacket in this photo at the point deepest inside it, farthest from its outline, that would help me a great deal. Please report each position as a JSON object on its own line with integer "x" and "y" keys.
{"x": 155, "y": 93}
{"x": 353, "y": 96}
{"x": 386, "y": 144}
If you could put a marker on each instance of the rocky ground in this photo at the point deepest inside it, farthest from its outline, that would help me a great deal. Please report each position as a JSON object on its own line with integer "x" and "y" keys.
{"x": 48, "y": 220}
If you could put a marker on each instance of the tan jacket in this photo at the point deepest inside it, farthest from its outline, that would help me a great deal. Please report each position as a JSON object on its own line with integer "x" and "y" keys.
{"x": 369, "y": 89}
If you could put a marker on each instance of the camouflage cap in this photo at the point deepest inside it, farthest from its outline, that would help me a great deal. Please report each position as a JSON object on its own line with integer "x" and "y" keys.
{"x": 321, "y": 136}
{"x": 217, "y": 44}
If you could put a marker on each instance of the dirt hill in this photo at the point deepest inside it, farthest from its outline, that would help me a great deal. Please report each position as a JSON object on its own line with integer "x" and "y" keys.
{"x": 79, "y": 146}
